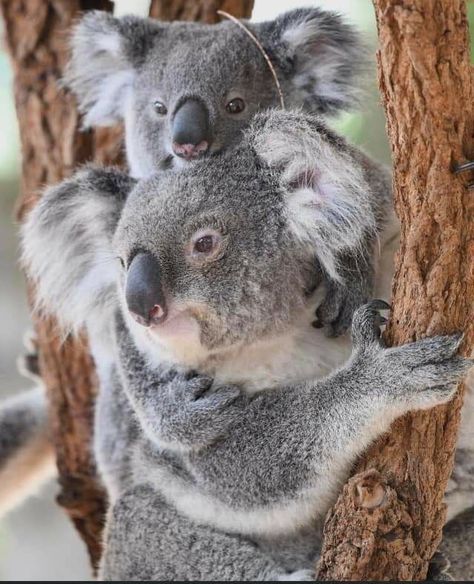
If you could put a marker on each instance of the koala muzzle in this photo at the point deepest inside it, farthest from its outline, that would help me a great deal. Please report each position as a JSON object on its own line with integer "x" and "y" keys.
{"x": 144, "y": 291}
{"x": 191, "y": 134}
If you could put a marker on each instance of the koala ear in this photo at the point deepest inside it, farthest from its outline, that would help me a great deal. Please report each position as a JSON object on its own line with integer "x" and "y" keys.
{"x": 67, "y": 245}
{"x": 327, "y": 200}
{"x": 322, "y": 56}
{"x": 106, "y": 52}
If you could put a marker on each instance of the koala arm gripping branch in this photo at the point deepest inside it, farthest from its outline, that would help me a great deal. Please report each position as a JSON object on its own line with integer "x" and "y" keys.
{"x": 287, "y": 441}
{"x": 300, "y": 442}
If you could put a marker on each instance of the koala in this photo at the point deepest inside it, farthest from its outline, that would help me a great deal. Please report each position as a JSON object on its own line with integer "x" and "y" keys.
{"x": 219, "y": 439}
{"x": 186, "y": 90}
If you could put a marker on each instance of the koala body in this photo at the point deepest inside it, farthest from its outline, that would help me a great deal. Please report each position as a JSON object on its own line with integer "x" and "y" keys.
{"x": 218, "y": 468}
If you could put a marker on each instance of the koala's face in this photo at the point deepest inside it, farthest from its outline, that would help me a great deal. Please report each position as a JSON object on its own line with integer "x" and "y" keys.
{"x": 191, "y": 100}
{"x": 186, "y": 90}
{"x": 208, "y": 258}
{"x": 230, "y": 249}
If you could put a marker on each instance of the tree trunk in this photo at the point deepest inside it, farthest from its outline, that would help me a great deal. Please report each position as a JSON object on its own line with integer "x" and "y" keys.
{"x": 387, "y": 523}
{"x": 52, "y": 147}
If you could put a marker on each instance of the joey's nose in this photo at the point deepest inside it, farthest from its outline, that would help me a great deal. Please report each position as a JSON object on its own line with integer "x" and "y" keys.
{"x": 191, "y": 136}
{"x": 144, "y": 290}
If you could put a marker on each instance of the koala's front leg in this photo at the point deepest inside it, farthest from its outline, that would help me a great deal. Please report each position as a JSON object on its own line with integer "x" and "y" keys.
{"x": 343, "y": 297}
{"x": 380, "y": 384}
{"x": 176, "y": 410}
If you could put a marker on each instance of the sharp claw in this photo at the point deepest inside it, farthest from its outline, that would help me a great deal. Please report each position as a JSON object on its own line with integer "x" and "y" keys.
{"x": 464, "y": 167}
{"x": 380, "y": 304}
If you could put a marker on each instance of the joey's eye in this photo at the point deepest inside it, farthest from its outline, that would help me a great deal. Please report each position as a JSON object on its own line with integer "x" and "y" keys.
{"x": 122, "y": 261}
{"x": 159, "y": 108}
{"x": 235, "y": 106}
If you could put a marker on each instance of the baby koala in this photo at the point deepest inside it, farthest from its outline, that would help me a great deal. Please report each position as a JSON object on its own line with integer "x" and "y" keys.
{"x": 218, "y": 444}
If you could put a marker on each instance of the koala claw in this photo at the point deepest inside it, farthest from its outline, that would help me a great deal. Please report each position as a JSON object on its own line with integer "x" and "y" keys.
{"x": 466, "y": 166}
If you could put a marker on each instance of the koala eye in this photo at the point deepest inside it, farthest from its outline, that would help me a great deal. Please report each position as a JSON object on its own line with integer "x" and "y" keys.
{"x": 160, "y": 108}
{"x": 235, "y": 106}
{"x": 205, "y": 245}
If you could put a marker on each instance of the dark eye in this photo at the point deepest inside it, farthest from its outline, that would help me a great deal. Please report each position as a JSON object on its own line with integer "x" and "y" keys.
{"x": 204, "y": 244}
{"x": 235, "y": 106}
{"x": 122, "y": 262}
{"x": 159, "y": 108}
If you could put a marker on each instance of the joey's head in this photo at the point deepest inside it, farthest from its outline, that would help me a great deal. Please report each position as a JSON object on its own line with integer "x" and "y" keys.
{"x": 187, "y": 90}
{"x": 230, "y": 250}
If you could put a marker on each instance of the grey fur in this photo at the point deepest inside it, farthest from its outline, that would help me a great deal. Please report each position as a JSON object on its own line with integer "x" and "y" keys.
{"x": 218, "y": 479}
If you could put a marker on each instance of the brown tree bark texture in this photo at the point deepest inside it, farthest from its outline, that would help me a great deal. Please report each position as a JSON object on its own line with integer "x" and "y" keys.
{"x": 52, "y": 147}
{"x": 387, "y": 522}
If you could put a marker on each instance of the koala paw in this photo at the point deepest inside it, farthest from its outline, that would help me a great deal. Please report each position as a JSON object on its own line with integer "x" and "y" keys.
{"x": 431, "y": 369}
{"x": 417, "y": 375}
{"x": 335, "y": 312}
{"x": 194, "y": 413}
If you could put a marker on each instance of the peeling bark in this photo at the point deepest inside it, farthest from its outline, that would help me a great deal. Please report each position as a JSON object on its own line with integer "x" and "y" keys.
{"x": 426, "y": 87}
{"x": 52, "y": 147}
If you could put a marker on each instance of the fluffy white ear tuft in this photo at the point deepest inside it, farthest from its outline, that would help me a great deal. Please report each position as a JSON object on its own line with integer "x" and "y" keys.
{"x": 105, "y": 54}
{"x": 67, "y": 246}
{"x": 328, "y": 200}
{"x": 322, "y": 55}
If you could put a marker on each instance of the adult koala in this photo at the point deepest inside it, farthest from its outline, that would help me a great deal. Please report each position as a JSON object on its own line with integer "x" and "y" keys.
{"x": 217, "y": 445}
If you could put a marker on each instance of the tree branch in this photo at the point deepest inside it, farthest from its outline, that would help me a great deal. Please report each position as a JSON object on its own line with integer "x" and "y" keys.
{"x": 426, "y": 87}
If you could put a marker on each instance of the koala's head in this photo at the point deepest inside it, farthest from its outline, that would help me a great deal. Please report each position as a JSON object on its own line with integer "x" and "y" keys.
{"x": 231, "y": 249}
{"x": 186, "y": 90}
{"x": 226, "y": 251}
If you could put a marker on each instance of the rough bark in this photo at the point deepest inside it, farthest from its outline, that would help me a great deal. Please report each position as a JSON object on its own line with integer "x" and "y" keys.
{"x": 52, "y": 147}
{"x": 426, "y": 87}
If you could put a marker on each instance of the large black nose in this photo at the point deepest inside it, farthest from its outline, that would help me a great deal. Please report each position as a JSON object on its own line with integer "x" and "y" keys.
{"x": 144, "y": 290}
{"x": 191, "y": 133}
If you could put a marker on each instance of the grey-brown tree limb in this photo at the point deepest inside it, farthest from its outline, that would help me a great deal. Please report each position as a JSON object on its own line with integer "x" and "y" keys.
{"x": 387, "y": 522}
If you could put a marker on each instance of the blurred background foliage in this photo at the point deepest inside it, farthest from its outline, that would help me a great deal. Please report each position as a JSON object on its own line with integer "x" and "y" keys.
{"x": 37, "y": 541}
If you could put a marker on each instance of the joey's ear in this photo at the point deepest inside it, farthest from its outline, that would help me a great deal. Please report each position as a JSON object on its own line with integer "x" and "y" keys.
{"x": 320, "y": 54}
{"x": 67, "y": 245}
{"x": 106, "y": 52}
{"x": 327, "y": 199}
